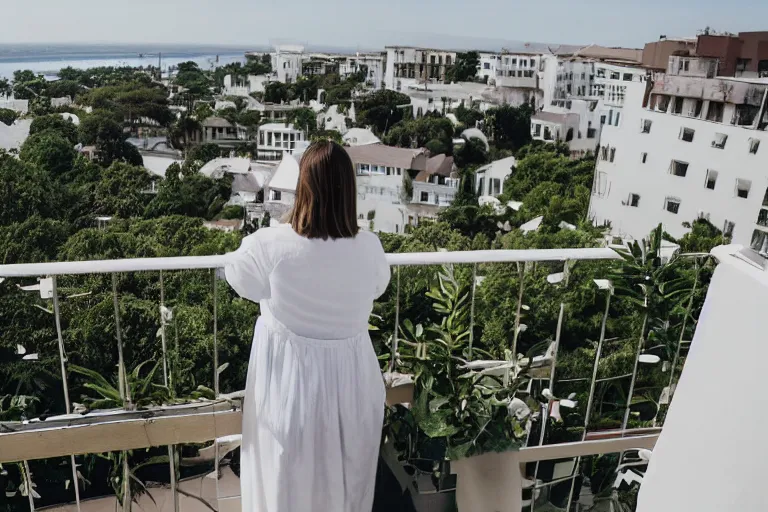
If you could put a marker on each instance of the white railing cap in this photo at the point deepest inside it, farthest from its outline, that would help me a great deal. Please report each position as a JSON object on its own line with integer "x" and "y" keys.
{"x": 208, "y": 262}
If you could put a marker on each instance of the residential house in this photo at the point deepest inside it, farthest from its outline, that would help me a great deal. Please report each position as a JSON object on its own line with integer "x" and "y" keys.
{"x": 408, "y": 65}
{"x": 275, "y": 139}
{"x": 287, "y": 61}
{"x": 489, "y": 179}
{"x": 437, "y": 184}
{"x": 217, "y": 130}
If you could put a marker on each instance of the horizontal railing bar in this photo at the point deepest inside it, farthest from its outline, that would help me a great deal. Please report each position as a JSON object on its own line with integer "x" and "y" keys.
{"x": 207, "y": 262}
{"x": 182, "y": 425}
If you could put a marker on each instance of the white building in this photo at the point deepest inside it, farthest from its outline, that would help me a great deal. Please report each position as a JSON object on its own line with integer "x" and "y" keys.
{"x": 489, "y": 179}
{"x": 408, "y": 65}
{"x": 371, "y": 63}
{"x": 278, "y": 138}
{"x": 437, "y": 185}
{"x": 217, "y": 130}
{"x": 235, "y": 85}
{"x": 281, "y": 189}
{"x": 287, "y": 62}
{"x": 580, "y": 97}
{"x": 685, "y": 147}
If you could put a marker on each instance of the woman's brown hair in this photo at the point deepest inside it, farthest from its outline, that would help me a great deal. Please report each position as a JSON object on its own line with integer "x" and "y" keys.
{"x": 326, "y": 194}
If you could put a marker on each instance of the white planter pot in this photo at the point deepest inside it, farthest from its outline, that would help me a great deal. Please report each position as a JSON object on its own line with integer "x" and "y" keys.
{"x": 490, "y": 482}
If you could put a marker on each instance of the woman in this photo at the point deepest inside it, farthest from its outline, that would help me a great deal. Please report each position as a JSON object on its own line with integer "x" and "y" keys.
{"x": 314, "y": 400}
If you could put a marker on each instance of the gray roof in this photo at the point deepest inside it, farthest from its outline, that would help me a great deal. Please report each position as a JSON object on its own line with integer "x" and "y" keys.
{"x": 216, "y": 122}
{"x": 379, "y": 154}
{"x": 245, "y": 183}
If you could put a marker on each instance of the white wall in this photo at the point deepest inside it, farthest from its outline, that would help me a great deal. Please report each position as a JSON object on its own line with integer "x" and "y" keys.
{"x": 615, "y": 181}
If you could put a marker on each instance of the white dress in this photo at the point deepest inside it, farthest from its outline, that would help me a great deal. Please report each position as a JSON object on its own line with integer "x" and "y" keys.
{"x": 314, "y": 401}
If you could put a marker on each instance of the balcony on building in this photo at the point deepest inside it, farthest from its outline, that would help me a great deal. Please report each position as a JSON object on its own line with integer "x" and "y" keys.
{"x": 541, "y": 474}
{"x": 554, "y": 127}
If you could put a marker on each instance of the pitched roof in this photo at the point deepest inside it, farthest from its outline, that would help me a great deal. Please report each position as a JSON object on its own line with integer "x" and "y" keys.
{"x": 219, "y": 166}
{"x": 379, "y": 154}
{"x": 216, "y": 122}
{"x": 360, "y": 137}
{"x": 246, "y": 183}
{"x": 287, "y": 174}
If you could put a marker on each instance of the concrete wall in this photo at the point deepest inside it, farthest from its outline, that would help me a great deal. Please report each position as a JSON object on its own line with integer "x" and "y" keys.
{"x": 653, "y": 182}
{"x": 656, "y": 55}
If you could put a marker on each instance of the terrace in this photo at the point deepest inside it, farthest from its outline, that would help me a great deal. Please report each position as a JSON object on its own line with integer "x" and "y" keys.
{"x": 547, "y": 473}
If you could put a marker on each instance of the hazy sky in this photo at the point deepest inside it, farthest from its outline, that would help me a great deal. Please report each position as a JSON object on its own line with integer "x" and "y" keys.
{"x": 370, "y": 24}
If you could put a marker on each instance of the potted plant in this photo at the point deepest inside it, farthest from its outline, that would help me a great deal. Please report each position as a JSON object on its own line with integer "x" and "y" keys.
{"x": 465, "y": 409}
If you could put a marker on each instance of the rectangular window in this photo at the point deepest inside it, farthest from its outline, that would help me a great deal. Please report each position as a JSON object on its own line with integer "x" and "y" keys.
{"x": 618, "y": 116}
{"x": 486, "y": 65}
{"x": 481, "y": 186}
{"x": 604, "y": 153}
{"x": 275, "y": 195}
{"x": 728, "y": 228}
{"x": 686, "y": 134}
{"x": 634, "y": 200}
{"x": 696, "y": 109}
{"x": 495, "y": 184}
{"x": 711, "y": 179}
{"x": 613, "y": 154}
{"x": 715, "y": 112}
{"x": 645, "y": 126}
{"x": 627, "y": 77}
{"x": 514, "y": 62}
{"x": 677, "y": 106}
{"x": 678, "y": 168}
{"x": 615, "y": 75}
{"x": 643, "y": 157}
{"x": 610, "y": 117}
{"x": 754, "y": 144}
{"x": 424, "y": 197}
{"x": 672, "y": 204}
{"x": 742, "y": 188}
{"x": 365, "y": 168}
{"x": 720, "y": 140}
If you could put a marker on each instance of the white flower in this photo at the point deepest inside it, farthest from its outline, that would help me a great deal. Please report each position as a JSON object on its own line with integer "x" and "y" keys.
{"x": 518, "y": 409}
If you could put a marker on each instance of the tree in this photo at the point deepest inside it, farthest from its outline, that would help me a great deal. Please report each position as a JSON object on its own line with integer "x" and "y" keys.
{"x": 509, "y": 127}
{"x": 194, "y": 195}
{"x": 420, "y": 131}
{"x": 275, "y": 92}
{"x": 382, "y": 109}
{"x": 468, "y": 116}
{"x": 7, "y": 116}
{"x": 303, "y": 119}
{"x": 5, "y": 87}
{"x": 465, "y": 67}
{"x": 102, "y": 130}
{"x": 471, "y": 153}
{"x": 27, "y": 85}
{"x": 25, "y": 191}
{"x": 120, "y": 192}
{"x": 49, "y": 151}
{"x": 56, "y": 123}
{"x": 63, "y": 88}
{"x": 203, "y": 153}
{"x": 332, "y": 135}
{"x": 437, "y": 147}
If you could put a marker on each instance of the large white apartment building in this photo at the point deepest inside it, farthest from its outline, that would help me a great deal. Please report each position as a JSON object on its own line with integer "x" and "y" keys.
{"x": 408, "y": 66}
{"x": 686, "y": 146}
{"x": 581, "y": 96}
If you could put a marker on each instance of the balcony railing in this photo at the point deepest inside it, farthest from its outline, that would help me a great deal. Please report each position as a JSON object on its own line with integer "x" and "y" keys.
{"x": 212, "y": 413}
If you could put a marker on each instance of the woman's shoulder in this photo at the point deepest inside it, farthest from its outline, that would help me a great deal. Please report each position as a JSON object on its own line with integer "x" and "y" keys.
{"x": 370, "y": 240}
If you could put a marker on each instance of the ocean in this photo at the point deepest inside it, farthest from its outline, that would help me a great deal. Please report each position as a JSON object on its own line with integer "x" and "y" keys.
{"x": 49, "y": 59}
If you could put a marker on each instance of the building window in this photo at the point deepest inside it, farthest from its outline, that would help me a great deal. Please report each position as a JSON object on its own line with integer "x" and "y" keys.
{"x": 486, "y": 65}
{"x": 627, "y": 77}
{"x": 696, "y": 111}
{"x": 399, "y": 171}
{"x": 678, "y": 168}
{"x": 275, "y": 195}
{"x": 634, "y": 200}
{"x": 715, "y": 112}
{"x": 424, "y": 197}
{"x": 615, "y": 75}
{"x": 613, "y": 154}
{"x": 495, "y": 185}
{"x": 364, "y": 168}
{"x": 677, "y": 106}
{"x": 643, "y": 157}
{"x": 514, "y": 62}
{"x": 754, "y": 144}
{"x": 686, "y": 134}
{"x": 711, "y": 179}
{"x": 645, "y": 126}
{"x": 742, "y": 188}
{"x": 604, "y": 153}
{"x": 728, "y": 227}
{"x": 481, "y": 185}
{"x": 672, "y": 204}
{"x": 720, "y": 140}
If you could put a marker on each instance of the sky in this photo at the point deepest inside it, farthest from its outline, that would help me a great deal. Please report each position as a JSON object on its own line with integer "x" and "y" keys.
{"x": 366, "y": 24}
